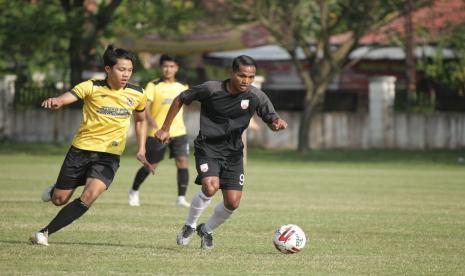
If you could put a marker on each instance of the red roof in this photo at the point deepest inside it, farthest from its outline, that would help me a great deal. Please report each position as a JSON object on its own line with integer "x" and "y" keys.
{"x": 438, "y": 19}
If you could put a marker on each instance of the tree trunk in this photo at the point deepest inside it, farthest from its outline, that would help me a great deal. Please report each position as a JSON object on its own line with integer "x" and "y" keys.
{"x": 76, "y": 68}
{"x": 304, "y": 130}
{"x": 79, "y": 55}
{"x": 312, "y": 106}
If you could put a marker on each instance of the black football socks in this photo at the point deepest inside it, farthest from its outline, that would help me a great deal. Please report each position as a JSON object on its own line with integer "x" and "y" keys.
{"x": 183, "y": 179}
{"x": 141, "y": 175}
{"x": 71, "y": 212}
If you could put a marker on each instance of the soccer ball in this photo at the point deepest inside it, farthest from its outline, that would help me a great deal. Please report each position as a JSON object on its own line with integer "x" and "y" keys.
{"x": 289, "y": 239}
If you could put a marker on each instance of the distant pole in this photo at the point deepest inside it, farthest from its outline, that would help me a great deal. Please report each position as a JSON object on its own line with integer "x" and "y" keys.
{"x": 257, "y": 83}
{"x": 410, "y": 54}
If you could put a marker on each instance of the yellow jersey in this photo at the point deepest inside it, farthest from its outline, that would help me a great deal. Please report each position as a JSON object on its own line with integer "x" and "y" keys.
{"x": 161, "y": 94}
{"x": 106, "y": 115}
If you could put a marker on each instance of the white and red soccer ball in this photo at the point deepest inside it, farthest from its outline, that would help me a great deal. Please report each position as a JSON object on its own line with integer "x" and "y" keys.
{"x": 289, "y": 239}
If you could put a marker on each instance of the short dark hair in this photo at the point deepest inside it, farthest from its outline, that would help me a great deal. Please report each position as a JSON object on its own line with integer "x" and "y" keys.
{"x": 167, "y": 57}
{"x": 243, "y": 60}
{"x": 112, "y": 54}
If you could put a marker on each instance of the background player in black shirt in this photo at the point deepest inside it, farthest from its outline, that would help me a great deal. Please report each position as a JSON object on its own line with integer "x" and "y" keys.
{"x": 226, "y": 109}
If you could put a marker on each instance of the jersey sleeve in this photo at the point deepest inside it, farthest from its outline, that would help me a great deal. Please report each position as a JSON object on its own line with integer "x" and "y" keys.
{"x": 83, "y": 89}
{"x": 141, "y": 106}
{"x": 196, "y": 93}
{"x": 265, "y": 108}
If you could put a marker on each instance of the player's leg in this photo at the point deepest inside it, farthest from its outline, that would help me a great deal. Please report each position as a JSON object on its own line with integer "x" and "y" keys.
{"x": 72, "y": 175}
{"x": 182, "y": 179}
{"x": 98, "y": 170}
{"x": 154, "y": 154}
{"x": 208, "y": 176}
{"x": 179, "y": 149}
{"x": 99, "y": 175}
{"x": 75, "y": 209}
{"x": 232, "y": 181}
{"x": 223, "y": 211}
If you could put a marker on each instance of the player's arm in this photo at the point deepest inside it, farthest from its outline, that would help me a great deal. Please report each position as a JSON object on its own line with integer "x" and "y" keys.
{"x": 163, "y": 134}
{"x": 268, "y": 114}
{"x": 57, "y": 102}
{"x": 141, "y": 135}
{"x": 150, "y": 121}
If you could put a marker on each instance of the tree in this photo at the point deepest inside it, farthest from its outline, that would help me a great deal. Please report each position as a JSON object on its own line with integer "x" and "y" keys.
{"x": 87, "y": 22}
{"x": 70, "y": 33}
{"x": 446, "y": 72}
{"x": 308, "y": 26}
{"x": 28, "y": 37}
{"x": 40, "y": 33}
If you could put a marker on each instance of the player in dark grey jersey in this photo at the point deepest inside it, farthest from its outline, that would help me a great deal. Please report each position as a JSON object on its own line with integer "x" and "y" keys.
{"x": 226, "y": 109}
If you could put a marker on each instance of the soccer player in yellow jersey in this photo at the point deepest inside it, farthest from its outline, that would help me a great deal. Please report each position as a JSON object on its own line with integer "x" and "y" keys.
{"x": 94, "y": 156}
{"x": 160, "y": 95}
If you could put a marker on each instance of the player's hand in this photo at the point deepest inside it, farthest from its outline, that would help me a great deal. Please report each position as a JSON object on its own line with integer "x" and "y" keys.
{"x": 278, "y": 124}
{"x": 141, "y": 157}
{"x": 162, "y": 136}
{"x": 51, "y": 103}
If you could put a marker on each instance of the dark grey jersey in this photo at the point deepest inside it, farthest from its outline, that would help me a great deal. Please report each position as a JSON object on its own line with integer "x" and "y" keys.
{"x": 224, "y": 117}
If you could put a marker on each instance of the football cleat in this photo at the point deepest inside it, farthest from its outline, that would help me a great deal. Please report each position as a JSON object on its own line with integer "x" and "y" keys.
{"x": 46, "y": 194}
{"x": 184, "y": 237}
{"x": 206, "y": 239}
{"x": 39, "y": 238}
{"x": 133, "y": 198}
{"x": 181, "y": 202}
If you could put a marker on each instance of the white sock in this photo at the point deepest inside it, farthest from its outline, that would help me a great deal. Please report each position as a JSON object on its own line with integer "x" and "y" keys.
{"x": 219, "y": 216}
{"x": 198, "y": 205}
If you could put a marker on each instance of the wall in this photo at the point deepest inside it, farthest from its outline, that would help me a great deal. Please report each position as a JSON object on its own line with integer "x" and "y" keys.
{"x": 379, "y": 128}
{"x": 329, "y": 130}
{"x": 352, "y": 131}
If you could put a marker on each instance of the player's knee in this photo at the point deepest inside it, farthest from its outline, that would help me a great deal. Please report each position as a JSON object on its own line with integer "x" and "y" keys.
{"x": 232, "y": 205}
{"x": 88, "y": 197}
{"x": 181, "y": 163}
{"x": 209, "y": 190}
{"x": 59, "y": 200}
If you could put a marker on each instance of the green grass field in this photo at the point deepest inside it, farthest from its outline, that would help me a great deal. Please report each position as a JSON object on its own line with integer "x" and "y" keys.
{"x": 364, "y": 213}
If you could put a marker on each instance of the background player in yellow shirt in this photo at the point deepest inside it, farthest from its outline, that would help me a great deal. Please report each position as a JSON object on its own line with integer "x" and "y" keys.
{"x": 94, "y": 156}
{"x": 160, "y": 95}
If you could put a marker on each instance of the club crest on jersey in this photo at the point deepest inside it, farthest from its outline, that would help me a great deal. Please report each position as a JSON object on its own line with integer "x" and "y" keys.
{"x": 204, "y": 167}
{"x": 130, "y": 101}
{"x": 244, "y": 104}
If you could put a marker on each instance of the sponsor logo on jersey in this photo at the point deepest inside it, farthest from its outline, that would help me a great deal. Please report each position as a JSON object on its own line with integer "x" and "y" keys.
{"x": 204, "y": 167}
{"x": 113, "y": 111}
{"x": 115, "y": 143}
{"x": 244, "y": 104}
{"x": 130, "y": 101}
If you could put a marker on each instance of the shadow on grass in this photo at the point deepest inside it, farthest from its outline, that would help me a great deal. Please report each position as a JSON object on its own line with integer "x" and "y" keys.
{"x": 97, "y": 244}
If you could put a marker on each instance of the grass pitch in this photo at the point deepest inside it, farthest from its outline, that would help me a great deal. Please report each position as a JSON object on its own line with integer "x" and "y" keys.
{"x": 364, "y": 213}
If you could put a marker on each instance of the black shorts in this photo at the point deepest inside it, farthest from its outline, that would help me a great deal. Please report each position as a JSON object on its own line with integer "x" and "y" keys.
{"x": 230, "y": 171}
{"x": 81, "y": 164}
{"x": 155, "y": 151}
